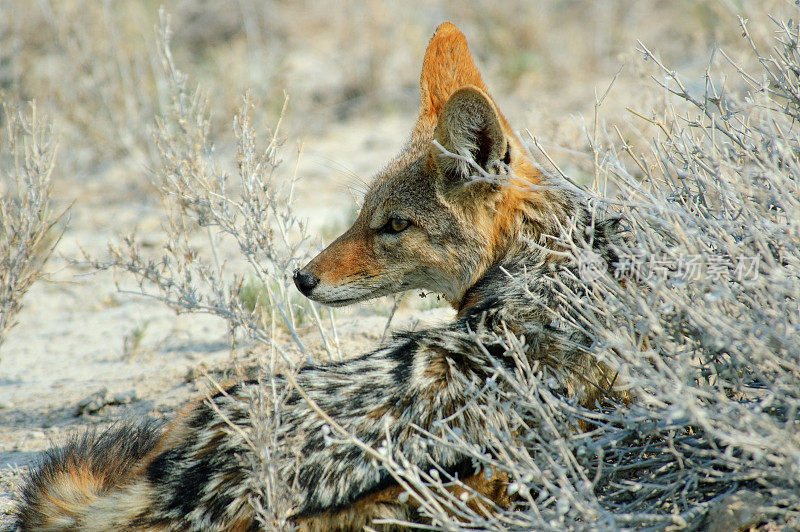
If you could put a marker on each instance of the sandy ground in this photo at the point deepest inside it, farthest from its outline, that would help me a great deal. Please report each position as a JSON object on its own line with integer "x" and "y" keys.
{"x": 70, "y": 341}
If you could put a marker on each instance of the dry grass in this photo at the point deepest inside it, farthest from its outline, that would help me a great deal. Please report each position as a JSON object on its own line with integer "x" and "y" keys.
{"x": 28, "y": 232}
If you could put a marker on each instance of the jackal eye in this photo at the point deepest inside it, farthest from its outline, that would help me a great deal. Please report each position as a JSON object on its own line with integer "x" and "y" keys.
{"x": 395, "y": 225}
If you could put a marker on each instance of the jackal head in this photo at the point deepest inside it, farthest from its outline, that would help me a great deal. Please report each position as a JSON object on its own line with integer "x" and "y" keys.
{"x": 426, "y": 222}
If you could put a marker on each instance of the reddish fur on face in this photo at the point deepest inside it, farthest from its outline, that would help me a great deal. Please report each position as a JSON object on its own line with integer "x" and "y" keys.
{"x": 493, "y": 488}
{"x": 346, "y": 258}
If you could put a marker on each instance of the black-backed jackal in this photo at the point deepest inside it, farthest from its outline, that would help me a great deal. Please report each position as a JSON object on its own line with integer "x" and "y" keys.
{"x": 425, "y": 224}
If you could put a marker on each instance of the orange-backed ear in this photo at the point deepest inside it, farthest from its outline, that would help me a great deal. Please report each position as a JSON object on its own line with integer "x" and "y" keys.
{"x": 447, "y": 67}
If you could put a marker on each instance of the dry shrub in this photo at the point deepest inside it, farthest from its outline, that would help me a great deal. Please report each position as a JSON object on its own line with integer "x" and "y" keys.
{"x": 710, "y": 353}
{"x": 703, "y": 329}
{"x": 28, "y": 230}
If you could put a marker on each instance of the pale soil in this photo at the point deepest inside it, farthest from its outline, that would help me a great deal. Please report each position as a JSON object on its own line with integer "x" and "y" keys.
{"x": 70, "y": 339}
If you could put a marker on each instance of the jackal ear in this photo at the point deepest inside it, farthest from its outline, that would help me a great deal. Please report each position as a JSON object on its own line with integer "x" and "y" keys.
{"x": 469, "y": 127}
{"x": 447, "y": 67}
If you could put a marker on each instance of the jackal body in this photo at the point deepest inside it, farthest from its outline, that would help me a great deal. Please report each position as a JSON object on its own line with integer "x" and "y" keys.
{"x": 424, "y": 224}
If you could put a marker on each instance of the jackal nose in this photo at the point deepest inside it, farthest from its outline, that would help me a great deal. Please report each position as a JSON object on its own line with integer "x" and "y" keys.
{"x": 305, "y": 282}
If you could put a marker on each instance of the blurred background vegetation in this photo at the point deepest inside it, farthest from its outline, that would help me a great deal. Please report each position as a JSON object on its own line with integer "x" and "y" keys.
{"x": 92, "y": 66}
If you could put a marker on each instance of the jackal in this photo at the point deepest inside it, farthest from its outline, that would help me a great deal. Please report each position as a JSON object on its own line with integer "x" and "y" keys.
{"x": 488, "y": 245}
